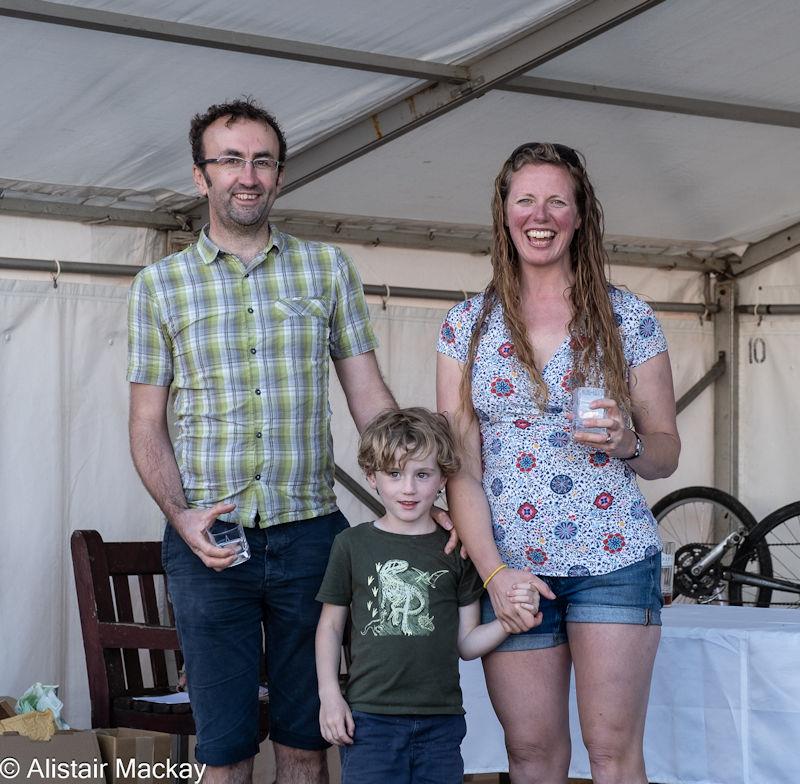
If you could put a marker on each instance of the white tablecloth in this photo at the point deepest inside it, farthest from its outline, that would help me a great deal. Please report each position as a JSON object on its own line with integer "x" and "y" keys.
{"x": 724, "y": 705}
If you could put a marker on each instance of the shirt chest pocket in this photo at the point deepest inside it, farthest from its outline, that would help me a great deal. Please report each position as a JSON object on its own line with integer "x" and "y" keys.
{"x": 300, "y": 330}
{"x": 300, "y": 307}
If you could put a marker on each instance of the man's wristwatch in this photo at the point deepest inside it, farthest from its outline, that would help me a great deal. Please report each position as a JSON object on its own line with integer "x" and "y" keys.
{"x": 639, "y": 450}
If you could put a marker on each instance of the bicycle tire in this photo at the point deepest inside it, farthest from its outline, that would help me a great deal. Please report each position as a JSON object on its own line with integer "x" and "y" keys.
{"x": 779, "y": 534}
{"x": 696, "y": 518}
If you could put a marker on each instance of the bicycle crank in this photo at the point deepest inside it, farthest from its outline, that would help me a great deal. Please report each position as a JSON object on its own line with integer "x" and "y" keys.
{"x": 702, "y": 587}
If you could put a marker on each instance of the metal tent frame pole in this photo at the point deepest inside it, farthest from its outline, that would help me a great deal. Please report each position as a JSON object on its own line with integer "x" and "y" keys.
{"x": 374, "y": 289}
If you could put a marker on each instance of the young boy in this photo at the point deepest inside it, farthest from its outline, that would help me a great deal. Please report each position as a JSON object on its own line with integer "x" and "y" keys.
{"x": 413, "y": 611}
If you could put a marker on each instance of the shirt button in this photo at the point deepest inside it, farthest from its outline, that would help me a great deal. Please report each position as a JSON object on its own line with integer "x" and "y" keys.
{"x": 249, "y": 310}
{"x": 252, "y": 351}
{"x": 258, "y": 391}
{"x": 258, "y": 476}
{"x": 258, "y": 435}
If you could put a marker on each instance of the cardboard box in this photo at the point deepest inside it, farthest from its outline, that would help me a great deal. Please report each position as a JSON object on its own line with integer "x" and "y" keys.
{"x": 36, "y": 725}
{"x": 69, "y": 756}
{"x": 135, "y": 756}
{"x": 7, "y": 707}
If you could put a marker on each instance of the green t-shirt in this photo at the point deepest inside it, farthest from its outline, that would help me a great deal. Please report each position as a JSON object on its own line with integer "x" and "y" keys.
{"x": 404, "y": 594}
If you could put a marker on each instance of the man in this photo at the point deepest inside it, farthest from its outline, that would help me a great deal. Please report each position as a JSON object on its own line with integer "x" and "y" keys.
{"x": 241, "y": 326}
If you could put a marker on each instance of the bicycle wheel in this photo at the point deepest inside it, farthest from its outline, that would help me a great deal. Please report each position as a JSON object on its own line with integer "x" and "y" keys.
{"x": 697, "y": 518}
{"x": 779, "y": 533}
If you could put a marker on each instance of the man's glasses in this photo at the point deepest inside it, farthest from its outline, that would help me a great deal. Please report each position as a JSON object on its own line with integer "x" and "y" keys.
{"x": 567, "y": 154}
{"x": 235, "y": 163}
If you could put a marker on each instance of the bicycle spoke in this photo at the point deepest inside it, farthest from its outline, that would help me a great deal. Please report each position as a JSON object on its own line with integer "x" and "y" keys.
{"x": 783, "y": 542}
{"x": 696, "y": 518}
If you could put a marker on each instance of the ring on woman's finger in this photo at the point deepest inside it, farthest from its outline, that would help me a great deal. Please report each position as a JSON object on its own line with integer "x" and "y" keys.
{"x": 608, "y": 437}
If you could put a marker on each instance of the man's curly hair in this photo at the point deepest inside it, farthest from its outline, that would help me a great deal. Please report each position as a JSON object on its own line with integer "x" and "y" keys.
{"x": 245, "y": 108}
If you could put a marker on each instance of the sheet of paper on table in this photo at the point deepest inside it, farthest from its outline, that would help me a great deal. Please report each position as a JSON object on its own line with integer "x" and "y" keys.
{"x": 183, "y": 696}
{"x": 166, "y": 699}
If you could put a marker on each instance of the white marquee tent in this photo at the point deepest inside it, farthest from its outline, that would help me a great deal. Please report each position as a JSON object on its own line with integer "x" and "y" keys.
{"x": 398, "y": 116}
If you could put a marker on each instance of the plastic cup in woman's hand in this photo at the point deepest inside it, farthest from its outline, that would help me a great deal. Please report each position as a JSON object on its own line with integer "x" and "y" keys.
{"x": 582, "y": 413}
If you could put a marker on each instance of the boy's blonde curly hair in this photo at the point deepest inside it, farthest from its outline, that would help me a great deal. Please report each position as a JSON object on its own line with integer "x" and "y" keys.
{"x": 415, "y": 432}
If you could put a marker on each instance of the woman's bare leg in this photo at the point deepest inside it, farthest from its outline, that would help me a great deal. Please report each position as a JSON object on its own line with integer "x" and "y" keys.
{"x": 613, "y": 666}
{"x": 530, "y": 694}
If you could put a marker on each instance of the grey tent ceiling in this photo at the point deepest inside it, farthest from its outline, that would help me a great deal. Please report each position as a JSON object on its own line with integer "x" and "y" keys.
{"x": 685, "y": 109}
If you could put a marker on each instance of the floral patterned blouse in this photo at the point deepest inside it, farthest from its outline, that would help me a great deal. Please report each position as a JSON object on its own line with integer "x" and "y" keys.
{"x": 558, "y": 507}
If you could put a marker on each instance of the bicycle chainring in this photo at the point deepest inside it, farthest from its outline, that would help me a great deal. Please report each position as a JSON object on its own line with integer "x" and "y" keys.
{"x": 702, "y": 588}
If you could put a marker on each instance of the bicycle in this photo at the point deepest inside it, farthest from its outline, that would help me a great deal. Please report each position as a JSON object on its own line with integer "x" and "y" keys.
{"x": 724, "y": 556}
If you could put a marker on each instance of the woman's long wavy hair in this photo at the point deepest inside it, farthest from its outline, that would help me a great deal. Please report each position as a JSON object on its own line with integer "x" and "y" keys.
{"x": 595, "y": 339}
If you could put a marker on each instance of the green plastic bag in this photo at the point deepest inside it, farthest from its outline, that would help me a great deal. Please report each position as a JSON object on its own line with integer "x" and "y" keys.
{"x": 39, "y": 698}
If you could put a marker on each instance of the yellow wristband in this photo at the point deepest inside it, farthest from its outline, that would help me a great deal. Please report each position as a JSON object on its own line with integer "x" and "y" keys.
{"x": 489, "y": 578}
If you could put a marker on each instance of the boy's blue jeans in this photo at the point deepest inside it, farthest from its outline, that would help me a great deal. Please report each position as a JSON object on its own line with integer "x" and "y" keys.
{"x": 404, "y": 749}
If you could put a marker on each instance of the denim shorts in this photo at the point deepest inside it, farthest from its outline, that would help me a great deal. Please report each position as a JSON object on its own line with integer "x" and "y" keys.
{"x": 404, "y": 749}
{"x": 220, "y": 617}
{"x": 628, "y": 595}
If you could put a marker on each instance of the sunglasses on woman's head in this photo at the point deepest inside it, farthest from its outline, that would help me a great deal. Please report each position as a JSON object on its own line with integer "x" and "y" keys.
{"x": 567, "y": 154}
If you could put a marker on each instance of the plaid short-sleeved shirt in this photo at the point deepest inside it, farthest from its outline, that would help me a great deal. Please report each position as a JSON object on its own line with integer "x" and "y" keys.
{"x": 246, "y": 351}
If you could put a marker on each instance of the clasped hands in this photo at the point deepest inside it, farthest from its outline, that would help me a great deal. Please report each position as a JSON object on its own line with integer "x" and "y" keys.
{"x": 515, "y": 597}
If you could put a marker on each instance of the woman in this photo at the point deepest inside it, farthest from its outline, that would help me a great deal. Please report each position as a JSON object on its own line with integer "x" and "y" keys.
{"x": 533, "y": 495}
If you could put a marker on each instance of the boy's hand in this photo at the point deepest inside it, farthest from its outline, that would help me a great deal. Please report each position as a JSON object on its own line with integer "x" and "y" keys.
{"x": 527, "y": 597}
{"x": 512, "y": 616}
{"x": 336, "y": 721}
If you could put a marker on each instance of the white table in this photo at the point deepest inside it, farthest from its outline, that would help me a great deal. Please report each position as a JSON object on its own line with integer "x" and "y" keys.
{"x": 724, "y": 705}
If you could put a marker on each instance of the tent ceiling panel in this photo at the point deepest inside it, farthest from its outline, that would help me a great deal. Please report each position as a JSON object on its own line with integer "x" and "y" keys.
{"x": 226, "y": 40}
{"x": 737, "y": 51}
{"x": 118, "y": 115}
{"x": 535, "y": 45}
{"x": 100, "y": 119}
{"x": 415, "y": 28}
{"x": 113, "y": 79}
{"x": 658, "y": 175}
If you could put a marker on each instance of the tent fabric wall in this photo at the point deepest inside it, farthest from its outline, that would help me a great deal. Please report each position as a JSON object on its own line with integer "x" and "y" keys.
{"x": 64, "y": 464}
{"x": 768, "y": 375}
{"x": 110, "y": 130}
{"x": 63, "y": 426}
{"x": 40, "y": 238}
{"x": 769, "y": 380}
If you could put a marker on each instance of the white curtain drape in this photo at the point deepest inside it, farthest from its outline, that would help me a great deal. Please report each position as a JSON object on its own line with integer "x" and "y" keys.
{"x": 64, "y": 465}
{"x": 64, "y": 461}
